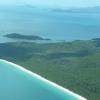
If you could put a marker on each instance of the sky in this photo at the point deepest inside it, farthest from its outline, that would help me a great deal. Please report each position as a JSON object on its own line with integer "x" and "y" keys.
{"x": 54, "y": 3}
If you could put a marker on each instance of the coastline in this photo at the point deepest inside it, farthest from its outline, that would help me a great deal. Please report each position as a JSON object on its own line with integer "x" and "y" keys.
{"x": 45, "y": 80}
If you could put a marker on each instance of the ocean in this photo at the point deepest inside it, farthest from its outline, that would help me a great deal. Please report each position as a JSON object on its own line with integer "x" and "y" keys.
{"x": 47, "y": 23}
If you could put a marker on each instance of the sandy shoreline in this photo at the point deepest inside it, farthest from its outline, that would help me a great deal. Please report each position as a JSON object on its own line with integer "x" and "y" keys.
{"x": 45, "y": 80}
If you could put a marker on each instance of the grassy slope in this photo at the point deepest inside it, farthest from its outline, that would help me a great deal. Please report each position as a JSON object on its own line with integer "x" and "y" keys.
{"x": 74, "y": 65}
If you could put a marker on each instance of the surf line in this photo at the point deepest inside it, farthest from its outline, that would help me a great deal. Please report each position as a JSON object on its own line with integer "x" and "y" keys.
{"x": 45, "y": 80}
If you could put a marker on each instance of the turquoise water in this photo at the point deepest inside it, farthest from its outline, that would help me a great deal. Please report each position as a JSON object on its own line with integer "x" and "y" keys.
{"x": 16, "y": 84}
{"x": 57, "y": 26}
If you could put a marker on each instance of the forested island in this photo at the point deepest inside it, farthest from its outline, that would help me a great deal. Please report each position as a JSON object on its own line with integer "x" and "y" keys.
{"x": 74, "y": 65}
{"x": 25, "y": 37}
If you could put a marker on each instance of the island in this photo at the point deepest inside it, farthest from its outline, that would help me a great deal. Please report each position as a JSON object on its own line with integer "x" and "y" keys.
{"x": 74, "y": 65}
{"x": 25, "y": 37}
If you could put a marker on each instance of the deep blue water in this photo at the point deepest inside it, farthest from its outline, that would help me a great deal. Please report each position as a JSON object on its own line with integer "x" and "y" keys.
{"x": 46, "y": 23}
{"x": 16, "y": 84}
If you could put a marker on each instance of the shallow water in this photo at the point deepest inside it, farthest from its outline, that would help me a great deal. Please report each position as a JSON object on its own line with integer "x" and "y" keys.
{"x": 16, "y": 84}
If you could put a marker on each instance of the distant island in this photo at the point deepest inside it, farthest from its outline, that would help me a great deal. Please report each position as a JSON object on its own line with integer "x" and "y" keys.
{"x": 25, "y": 37}
{"x": 95, "y": 9}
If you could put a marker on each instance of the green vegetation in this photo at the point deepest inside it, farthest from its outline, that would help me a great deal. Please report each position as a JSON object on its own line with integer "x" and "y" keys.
{"x": 74, "y": 65}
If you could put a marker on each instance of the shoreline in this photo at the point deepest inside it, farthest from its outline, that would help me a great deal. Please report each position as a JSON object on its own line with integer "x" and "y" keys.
{"x": 45, "y": 80}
